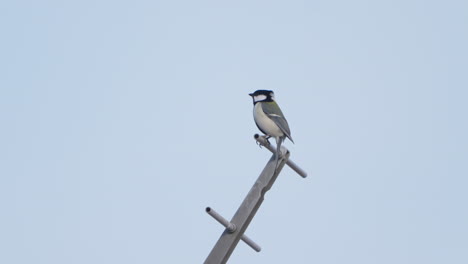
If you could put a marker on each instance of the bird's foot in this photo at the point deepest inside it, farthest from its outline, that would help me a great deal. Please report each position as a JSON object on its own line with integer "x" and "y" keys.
{"x": 266, "y": 139}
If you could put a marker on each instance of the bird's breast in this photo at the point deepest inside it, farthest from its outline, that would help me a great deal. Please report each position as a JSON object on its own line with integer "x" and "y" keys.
{"x": 267, "y": 125}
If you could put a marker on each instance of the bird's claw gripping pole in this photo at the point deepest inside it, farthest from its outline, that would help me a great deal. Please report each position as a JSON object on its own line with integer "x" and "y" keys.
{"x": 263, "y": 141}
{"x": 240, "y": 221}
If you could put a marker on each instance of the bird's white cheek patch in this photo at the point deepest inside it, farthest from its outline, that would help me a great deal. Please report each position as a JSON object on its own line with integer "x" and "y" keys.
{"x": 260, "y": 97}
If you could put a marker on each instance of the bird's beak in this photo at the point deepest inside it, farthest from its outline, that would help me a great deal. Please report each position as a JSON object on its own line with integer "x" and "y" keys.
{"x": 251, "y": 94}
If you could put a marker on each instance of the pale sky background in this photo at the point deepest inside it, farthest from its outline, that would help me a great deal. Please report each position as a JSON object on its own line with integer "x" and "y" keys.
{"x": 122, "y": 120}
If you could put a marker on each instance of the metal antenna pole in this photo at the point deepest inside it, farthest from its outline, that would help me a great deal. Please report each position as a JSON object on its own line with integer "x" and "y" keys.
{"x": 236, "y": 227}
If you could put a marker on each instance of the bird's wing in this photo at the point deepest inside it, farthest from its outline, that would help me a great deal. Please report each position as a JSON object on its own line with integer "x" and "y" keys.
{"x": 272, "y": 110}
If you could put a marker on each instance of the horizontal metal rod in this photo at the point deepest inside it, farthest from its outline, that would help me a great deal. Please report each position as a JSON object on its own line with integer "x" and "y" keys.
{"x": 264, "y": 142}
{"x": 232, "y": 228}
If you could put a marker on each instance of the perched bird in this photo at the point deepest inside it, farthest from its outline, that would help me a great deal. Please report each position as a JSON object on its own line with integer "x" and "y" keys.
{"x": 269, "y": 118}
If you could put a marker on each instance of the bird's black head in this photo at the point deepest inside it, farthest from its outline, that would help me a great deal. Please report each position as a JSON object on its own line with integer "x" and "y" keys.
{"x": 263, "y": 96}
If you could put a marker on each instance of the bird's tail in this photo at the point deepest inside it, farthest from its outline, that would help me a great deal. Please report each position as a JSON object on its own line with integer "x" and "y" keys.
{"x": 279, "y": 140}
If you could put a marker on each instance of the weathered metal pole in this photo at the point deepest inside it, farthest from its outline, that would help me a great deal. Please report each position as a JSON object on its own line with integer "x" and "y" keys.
{"x": 240, "y": 221}
{"x": 244, "y": 215}
{"x": 264, "y": 142}
{"x": 230, "y": 227}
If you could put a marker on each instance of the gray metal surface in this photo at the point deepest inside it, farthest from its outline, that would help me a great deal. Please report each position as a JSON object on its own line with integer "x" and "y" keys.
{"x": 244, "y": 215}
{"x": 231, "y": 228}
{"x": 262, "y": 141}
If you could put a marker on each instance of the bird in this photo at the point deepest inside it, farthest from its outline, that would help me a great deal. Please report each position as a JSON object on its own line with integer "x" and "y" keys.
{"x": 270, "y": 119}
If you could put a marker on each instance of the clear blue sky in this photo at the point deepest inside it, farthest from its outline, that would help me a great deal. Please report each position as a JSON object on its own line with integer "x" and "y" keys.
{"x": 122, "y": 120}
